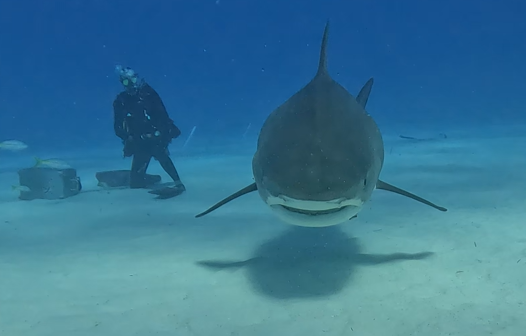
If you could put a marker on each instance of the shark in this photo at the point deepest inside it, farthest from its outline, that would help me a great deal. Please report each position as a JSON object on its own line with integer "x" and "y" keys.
{"x": 319, "y": 154}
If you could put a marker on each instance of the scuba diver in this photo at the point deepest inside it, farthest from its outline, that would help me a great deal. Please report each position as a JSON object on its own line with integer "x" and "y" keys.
{"x": 146, "y": 130}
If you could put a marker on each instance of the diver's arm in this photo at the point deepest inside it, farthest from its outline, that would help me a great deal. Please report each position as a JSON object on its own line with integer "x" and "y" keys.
{"x": 160, "y": 118}
{"x": 157, "y": 105}
{"x": 118, "y": 119}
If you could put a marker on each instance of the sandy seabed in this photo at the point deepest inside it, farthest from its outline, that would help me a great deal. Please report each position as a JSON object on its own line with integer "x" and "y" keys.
{"x": 118, "y": 262}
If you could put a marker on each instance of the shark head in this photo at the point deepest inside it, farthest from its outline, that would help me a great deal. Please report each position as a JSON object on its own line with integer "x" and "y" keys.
{"x": 318, "y": 178}
{"x": 316, "y": 199}
{"x": 319, "y": 154}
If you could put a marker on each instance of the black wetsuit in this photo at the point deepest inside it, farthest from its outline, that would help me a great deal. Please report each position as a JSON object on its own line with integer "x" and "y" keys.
{"x": 141, "y": 121}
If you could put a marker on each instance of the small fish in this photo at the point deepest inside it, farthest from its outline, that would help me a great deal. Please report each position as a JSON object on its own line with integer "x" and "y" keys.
{"x": 13, "y": 145}
{"x": 51, "y": 163}
{"x": 20, "y": 188}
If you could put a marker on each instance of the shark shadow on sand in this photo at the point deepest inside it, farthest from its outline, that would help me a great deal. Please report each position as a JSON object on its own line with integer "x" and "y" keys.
{"x": 307, "y": 262}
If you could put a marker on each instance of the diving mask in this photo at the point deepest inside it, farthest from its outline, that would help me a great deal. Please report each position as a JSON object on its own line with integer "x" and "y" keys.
{"x": 126, "y": 81}
{"x": 127, "y": 76}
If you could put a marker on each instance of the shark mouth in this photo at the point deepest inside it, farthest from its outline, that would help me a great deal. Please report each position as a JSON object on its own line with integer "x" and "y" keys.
{"x": 314, "y": 213}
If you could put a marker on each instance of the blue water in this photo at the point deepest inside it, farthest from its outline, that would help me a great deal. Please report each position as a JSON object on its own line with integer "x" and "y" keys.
{"x": 120, "y": 263}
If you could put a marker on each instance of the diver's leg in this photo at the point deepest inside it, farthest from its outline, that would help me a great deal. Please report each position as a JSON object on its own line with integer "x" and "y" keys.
{"x": 169, "y": 167}
{"x": 168, "y": 192}
{"x": 140, "y": 163}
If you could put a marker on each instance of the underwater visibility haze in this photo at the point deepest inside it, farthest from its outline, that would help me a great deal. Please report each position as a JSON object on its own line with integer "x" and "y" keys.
{"x": 259, "y": 168}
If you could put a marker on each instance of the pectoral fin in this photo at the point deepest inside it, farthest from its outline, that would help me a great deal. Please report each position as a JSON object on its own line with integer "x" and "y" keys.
{"x": 244, "y": 191}
{"x": 363, "y": 95}
{"x": 386, "y": 186}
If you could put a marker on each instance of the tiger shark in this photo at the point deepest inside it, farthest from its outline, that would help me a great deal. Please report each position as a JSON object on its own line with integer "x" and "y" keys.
{"x": 319, "y": 155}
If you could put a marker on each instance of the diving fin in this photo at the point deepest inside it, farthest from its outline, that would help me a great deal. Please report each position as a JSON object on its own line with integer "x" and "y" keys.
{"x": 388, "y": 187}
{"x": 244, "y": 191}
{"x": 168, "y": 192}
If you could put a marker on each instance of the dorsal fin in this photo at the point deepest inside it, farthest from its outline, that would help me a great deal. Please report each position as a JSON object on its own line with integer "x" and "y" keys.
{"x": 363, "y": 96}
{"x": 322, "y": 67}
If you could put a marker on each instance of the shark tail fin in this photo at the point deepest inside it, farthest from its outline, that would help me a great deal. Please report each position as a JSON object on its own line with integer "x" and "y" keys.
{"x": 322, "y": 67}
